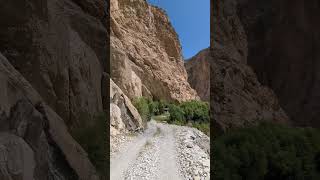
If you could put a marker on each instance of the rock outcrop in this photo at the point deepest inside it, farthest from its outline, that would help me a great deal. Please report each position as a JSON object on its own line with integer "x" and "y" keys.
{"x": 237, "y": 98}
{"x": 283, "y": 41}
{"x": 124, "y": 116}
{"x": 146, "y": 53}
{"x": 198, "y": 69}
{"x": 34, "y": 140}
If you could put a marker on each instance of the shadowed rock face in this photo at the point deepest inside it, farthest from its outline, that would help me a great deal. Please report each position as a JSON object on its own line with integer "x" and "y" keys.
{"x": 147, "y": 46}
{"x": 198, "y": 69}
{"x": 237, "y": 98}
{"x": 53, "y": 72}
{"x": 34, "y": 140}
{"x": 60, "y": 48}
{"x": 283, "y": 49}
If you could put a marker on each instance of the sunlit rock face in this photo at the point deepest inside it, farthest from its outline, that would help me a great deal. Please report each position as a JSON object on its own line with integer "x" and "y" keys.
{"x": 198, "y": 69}
{"x": 147, "y": 46}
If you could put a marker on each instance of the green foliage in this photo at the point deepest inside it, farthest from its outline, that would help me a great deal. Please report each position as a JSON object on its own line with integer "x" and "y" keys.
{"x": 202, "y": 126}
{"x": 154, "y": 108}
{"x": 162, "y": 105}
{"x": 192, "y": 113}
{"x": 142, "y": 105}
{"x": 91, "y": 134}
{"x": 176, "y": 114}
{"x": 268, "y": 152}
{"x": 196, "y": 111}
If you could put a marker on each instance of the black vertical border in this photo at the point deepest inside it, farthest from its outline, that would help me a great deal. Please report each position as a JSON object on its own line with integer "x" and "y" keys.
{"x": 106, "y": 84}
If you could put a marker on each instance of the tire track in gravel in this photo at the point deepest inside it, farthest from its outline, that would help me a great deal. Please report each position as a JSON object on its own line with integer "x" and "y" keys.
{"x": 129, "y": 153}
{"x": 154, "y": 155}
{"x": 169, "y": 168}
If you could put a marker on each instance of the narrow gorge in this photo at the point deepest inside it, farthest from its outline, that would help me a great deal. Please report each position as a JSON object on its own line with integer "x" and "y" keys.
{"x": 148, "y": 74}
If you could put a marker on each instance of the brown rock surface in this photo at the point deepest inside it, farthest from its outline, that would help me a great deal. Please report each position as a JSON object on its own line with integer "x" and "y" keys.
{"x": 237, "y": 98}
{"x": 34, "y": 140}
{"x": 60, "y": 48}
{"x": 283, "y": 49}
{"x": 148, "y": 45}
{"x": 124, "y": 116}
{"x": 198, "y": 69}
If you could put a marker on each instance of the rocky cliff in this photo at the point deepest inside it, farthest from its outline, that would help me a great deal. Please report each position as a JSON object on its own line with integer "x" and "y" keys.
{"x": 237, "y": 98}
{"x": 54, "y": 76}
{"x": 146, "y": 53}
{"x": 283, "y": 41}
{"x": 198, "y": 69}
{"x": 60, "y": 48}
{"x": 34, "y": 140}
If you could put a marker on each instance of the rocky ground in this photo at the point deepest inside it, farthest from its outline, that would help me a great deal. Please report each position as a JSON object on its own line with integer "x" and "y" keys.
{"x": 162, "y": 152}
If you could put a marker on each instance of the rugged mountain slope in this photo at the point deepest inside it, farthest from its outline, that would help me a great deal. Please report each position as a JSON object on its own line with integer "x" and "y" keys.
{"x": 283, "y": 42}
{"x": 237, "y": 98}
{"x": 198, "y": 69}
{"x": 146, "y": 53}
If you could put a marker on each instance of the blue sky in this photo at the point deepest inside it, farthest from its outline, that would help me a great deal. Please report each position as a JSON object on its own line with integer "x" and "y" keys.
{"x": 191, "y": 20}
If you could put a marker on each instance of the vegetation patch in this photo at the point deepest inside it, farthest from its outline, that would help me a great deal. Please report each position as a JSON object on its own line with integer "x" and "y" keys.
{"x": 191, "y": 113}
{"x": 143, "y": 105}
{"x": 268, "y": 152}
{"x": 91, "y": 134}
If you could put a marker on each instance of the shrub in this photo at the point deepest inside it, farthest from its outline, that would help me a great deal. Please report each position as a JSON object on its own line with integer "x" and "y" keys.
{"x": 202, "y": 126}
{"x": 154, "y": 107}
{"x": 268, "y": 152}
{"x": 196, "y": 111}
{"x": 162, "y": 105}
{"x": 176, "y": 114}
{"x": 92, "y": 136}
{"x": 142, "y": 105}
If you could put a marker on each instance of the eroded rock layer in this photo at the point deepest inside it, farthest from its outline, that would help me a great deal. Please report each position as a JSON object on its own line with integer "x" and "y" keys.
{"x": 146, "y": 53}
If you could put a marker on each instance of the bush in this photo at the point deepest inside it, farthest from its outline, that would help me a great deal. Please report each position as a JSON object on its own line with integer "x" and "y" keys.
{"x": 176, "y": 114}
{"x": 162, "y": 106}
{"x": 268, "y": 152}
{"x": 154, "y": 108}
{"x": 92, "y": 136}
{"x": 142, "y": 105}
{"x": 191, "y": 113}
{"x": 202, "y": 126}
{"x": 196, "y": 111}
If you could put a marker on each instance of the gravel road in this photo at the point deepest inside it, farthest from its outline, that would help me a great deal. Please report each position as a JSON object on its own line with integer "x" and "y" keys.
{"x": 162, "y": 152}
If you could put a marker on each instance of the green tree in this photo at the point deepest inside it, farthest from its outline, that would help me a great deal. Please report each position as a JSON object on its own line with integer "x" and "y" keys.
{"x": 176, "y": 114}
{"x": 142, "y": 105}
{"x": 268, "y": 152}
{"x": 196, "y": 111}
